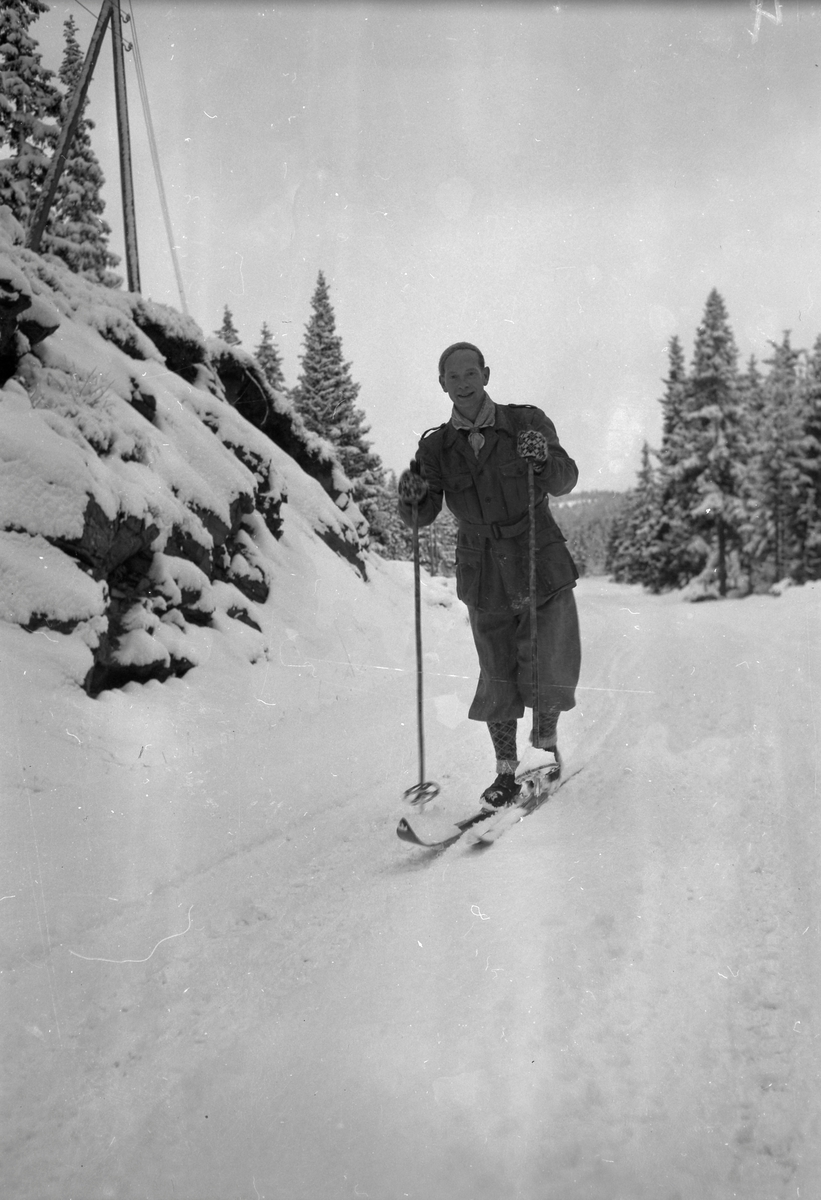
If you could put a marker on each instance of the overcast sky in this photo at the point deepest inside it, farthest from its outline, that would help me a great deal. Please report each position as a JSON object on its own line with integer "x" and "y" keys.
{"x": 561, "y": 183}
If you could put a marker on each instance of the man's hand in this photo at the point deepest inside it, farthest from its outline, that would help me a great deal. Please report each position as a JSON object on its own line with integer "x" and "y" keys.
{"x": 412, "y": 488}
{"x": 531, "y": 443}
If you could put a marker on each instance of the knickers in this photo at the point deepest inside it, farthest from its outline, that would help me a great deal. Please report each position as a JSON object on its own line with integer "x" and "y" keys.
{"x": 502, "y": 642}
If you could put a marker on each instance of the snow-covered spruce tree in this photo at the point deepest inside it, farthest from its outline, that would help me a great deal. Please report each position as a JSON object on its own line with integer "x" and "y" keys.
{"x": 586, "y": 519}
{"x": 76, "y": 231}
{"x": 751, "y": 407}
{"x": 808, "y": 511}
{"x": 674, "y": 406}
{"x": 653, "y": 540}
{"x": 325, "y": 397}
{"x": 391, "y": 537}
{"x": 675, "y": 553}
{"x": 226, "y": 331}
{"x": 633, "y": 544}
{"x": 749, "y": 390}
{"x": 29, "y": 109}
{"x": 268, "y": 357}
{"x": 437, "y": 542}
{"x": 774, "y": 481}
{"x": 710, "y": 476}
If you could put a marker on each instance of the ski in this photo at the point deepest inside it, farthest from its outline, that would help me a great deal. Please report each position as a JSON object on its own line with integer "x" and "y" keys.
{"x": 487, "y": 825}
{"x": 407, "y": 833}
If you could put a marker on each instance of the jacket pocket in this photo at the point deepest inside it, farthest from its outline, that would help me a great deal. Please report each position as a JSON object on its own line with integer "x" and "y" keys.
{"x": 513, "y": 478}
{"x": 555, "y": 569}
{"x": 514, "y": 468}
{"x": 458, "y": 483}
{"x": 468, "y": 575}
{"x": 457, "y": 499}
{"x": 547, "y": 530}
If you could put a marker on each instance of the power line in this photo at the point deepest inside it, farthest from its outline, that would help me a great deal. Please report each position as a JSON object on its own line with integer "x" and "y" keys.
{"x": 155, "y": 158}
{"x": 88, "y": 10}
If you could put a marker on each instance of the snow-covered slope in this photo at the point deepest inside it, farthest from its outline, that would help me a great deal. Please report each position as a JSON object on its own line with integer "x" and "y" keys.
{"x": 137, "y": 506}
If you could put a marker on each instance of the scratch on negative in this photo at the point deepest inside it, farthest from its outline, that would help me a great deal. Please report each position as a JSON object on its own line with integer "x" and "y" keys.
{"x": 89, "y": 958}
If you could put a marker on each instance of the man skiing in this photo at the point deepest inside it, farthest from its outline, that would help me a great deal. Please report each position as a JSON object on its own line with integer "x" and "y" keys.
{"x": 474, "y": 462}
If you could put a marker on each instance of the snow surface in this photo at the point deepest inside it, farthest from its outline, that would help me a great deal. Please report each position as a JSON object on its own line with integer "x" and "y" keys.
{"x": 224, "y": 976}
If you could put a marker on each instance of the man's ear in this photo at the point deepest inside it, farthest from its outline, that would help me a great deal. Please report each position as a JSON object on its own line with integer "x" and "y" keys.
{"x": 442, "y": 384}
{"x": 487, "y": 375}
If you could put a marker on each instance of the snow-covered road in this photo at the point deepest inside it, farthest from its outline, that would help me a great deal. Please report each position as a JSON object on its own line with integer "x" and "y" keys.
{"x": 618, "y": 1001}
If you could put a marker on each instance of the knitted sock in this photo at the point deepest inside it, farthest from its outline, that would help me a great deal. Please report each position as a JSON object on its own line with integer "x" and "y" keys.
{"x": 545, "y": 738}
{"x": 503, "y": 736}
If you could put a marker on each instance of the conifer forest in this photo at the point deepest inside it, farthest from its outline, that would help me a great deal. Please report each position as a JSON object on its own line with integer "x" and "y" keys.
{"x": 729, "y": 502}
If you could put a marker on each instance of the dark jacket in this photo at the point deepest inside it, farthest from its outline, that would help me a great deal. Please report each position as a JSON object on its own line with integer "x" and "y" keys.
{"x": 488, "y": 496}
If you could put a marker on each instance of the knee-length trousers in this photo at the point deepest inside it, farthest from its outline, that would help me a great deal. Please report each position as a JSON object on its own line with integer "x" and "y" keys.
{"x": 502, "y": 642}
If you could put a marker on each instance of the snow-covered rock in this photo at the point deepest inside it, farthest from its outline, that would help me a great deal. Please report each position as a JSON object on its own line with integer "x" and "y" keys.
{"x": 145, "y": 474}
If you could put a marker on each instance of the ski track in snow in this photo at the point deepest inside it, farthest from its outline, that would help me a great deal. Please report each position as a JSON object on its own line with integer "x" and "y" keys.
{"x": 618, "y": 1001}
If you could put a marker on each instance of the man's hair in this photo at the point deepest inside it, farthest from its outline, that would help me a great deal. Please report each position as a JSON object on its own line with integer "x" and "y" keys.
{"x": 445, "y": 355}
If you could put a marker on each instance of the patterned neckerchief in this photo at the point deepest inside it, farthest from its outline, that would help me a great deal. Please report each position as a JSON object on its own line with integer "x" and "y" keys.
{"x": 486, "y": 416}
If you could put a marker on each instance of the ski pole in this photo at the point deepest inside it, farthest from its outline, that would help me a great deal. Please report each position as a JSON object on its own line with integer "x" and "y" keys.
{"x": 423, "y": 791}
{"x": 532, "y": 446}
{"x": 534, "y": 635}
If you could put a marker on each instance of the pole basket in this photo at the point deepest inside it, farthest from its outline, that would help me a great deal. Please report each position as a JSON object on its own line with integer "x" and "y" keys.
{"x": 421, "y": 794}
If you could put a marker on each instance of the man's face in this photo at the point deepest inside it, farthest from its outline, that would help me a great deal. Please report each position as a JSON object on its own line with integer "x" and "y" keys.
{"x": 464, "y": 381}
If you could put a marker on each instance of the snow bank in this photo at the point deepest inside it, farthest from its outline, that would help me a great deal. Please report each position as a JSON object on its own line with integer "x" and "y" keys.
{"x": 121, "y": 452}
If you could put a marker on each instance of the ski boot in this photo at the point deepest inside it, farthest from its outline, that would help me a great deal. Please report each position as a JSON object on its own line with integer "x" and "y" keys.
{"x": 501, "y": 793}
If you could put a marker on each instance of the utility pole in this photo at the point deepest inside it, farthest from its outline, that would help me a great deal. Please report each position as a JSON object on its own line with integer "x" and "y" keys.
{"x": 110, "y": 11}
{"x": 126, "y": 179}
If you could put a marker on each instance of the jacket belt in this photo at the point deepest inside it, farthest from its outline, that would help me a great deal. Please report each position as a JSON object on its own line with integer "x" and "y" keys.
{"x": 495, "y": 530}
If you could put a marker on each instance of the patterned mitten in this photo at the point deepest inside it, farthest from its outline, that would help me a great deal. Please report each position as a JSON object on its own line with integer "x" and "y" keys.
{"x": 531, "y": 443}
{"x": 412, "y": 488}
